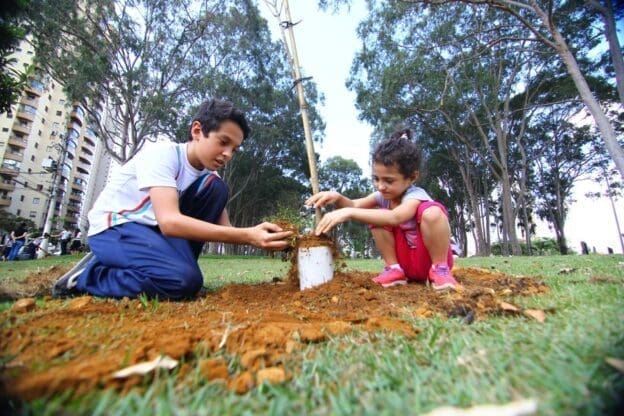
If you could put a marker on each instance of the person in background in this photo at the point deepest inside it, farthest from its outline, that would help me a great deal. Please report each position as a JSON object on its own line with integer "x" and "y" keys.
{"x": 18, "y": 236}
{"x": 7, "y": 244}
{"x": 149, "y": 224}
{"x": 410, "y": 230}
{"x": 64, "y": 239}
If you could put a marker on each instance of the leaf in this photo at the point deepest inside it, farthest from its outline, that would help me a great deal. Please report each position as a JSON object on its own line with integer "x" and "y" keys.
{"x": 516, "y": 408}
{"x": 536, "y": 314}
{"x": 143, "y": 368}
{"x": 508, "y": 307}
{"x": 616, "y": 363}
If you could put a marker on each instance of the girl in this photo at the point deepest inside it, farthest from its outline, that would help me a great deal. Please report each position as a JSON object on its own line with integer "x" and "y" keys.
{"x": 410, "y": 230}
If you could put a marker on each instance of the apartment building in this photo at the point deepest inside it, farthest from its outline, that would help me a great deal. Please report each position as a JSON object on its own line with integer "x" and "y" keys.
{"x": 43, "y": 137}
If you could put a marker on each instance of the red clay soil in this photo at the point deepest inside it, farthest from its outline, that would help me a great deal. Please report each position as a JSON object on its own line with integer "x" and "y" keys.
{"x": 79, "y": 343}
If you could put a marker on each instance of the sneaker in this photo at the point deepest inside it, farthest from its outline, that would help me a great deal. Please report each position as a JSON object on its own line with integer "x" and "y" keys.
{"x": 391, "y": 277}
{"x": 441, "y": 278}
{"x": 65, "y": 286}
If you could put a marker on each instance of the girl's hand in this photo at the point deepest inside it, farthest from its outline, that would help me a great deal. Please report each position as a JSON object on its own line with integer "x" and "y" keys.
{"x": 332, "y": 219}
{"x": 321, "y": 199}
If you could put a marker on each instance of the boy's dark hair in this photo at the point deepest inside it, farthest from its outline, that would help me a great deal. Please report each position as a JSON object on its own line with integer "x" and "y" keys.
{"x": 399, "y": 149}
{"x": 213, "y": 112}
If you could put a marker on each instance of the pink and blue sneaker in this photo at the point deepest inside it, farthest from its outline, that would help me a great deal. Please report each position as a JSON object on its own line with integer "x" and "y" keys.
{"x": 391, "y": 276}
{"x": 441, "y": 278}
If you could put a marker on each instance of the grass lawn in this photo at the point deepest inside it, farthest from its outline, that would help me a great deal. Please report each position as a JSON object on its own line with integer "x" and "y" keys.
{"x": 561, "y": 363}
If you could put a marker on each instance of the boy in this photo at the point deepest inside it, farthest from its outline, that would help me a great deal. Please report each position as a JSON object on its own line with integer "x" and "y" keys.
{"x": 151, "y": 220}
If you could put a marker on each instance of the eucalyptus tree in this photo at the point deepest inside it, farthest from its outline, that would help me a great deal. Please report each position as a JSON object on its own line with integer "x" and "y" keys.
{"x": 565, "y": 153}
{"x": 150, "y": 63}
{"x": 130, "y": 63}
{"x": 432, "y": 68}
{"x": 12, "y": 31}
{"x": 558, "y": 26}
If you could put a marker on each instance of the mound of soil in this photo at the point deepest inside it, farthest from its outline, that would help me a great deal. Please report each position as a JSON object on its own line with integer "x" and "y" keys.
{"x": 79, "y": 343}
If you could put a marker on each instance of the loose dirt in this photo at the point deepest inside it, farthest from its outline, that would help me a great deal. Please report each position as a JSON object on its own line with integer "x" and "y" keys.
{"x": 55, "y": 345}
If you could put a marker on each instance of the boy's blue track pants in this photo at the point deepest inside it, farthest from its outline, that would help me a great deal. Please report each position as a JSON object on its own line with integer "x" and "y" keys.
{"x": 133, "y": 258}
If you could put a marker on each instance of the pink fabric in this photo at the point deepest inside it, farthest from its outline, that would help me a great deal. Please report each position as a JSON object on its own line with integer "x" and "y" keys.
{"x": 416, "y": 261}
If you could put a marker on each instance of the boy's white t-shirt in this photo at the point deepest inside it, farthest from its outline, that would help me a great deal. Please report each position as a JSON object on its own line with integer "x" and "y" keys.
{"x": 125, "y": 197}
{"x": 409, "y": 227}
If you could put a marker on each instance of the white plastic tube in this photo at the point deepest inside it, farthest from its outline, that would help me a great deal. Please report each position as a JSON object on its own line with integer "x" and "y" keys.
{"x": 315, "y": 265}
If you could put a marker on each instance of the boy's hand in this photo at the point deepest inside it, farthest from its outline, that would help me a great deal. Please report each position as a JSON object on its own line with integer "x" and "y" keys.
{"x": 321, "y": 199}
{"x": 269, "y": 236}
{"x": 332, "y": 219}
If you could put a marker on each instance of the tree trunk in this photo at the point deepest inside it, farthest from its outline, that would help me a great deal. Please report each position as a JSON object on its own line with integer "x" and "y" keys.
{"x": 606, "y": 12}
{"x": 475, "y": 211}
{"x": 602, "y": 122}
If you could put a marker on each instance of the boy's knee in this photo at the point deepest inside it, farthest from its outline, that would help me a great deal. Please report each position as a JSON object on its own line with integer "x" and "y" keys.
{"x": 190, "y": 284}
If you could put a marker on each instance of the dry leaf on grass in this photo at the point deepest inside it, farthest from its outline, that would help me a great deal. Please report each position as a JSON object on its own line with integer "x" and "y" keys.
{"x": 143, "y": 368}
{"x": 508, "y": 307}
{"x": 517, "y": 408}
{"x": 616, "y": 363}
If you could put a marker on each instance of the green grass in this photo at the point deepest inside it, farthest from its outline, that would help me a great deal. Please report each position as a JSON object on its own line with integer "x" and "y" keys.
{"x": 560, "y": 363}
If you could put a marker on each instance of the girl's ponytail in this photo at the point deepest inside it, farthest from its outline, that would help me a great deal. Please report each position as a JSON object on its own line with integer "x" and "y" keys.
{"x": 405, "y": 133}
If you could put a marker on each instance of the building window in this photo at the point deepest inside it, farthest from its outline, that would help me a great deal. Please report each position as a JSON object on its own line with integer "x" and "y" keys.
{"x": 36, "y": 201}
{"x": 21, "y": 199}
{"x": 39, "y": 187}
{"x": 25, "y": 186}
{"x": 29, "y": 170}
{"x": 33, "y": 214}
{"x": 19, "y": 211}
{"x": 5, "y": 129}
{"x": 59, "y": 113}
{"x": 32, "y": 158}
{"x": 36, "y": 145}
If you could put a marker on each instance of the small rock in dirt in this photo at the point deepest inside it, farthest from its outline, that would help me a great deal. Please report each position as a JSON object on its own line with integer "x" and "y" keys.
{"x": 242, "y": 383}
{"x": 311, "y": 334}
{"x": 24, "y": 305}
{"x": 214, "y": 369}
{"x": 252, "y": 358}
{"x": 273, "y": 375}
{"x": 335, "y": 299}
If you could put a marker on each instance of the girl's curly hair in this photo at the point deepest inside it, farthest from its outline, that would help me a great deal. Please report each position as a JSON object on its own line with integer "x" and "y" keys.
{"x": 399, "y": 149}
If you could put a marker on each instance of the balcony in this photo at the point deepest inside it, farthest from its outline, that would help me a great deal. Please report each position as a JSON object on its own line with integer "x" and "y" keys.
{"x": 77, "y": 115}
{"x": 86, "y": 151}
{"x": 88, "y": 141}
{"x": 5, "y": 201}
{"x": 78, "y": 186}
{"x": 26, "y": 112}
{"x": 26, "y": 99}
{"x": 17, "y": 156}
{"x": 20, "y": 128}
{"x": 8, "y": 186}
{"x": 75, "y": 197}
{"x": 17, "y": 142}
{"x": 35, "y": 87}
{"x": 73, "y": 208}
{"x": 9, "y": 170}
